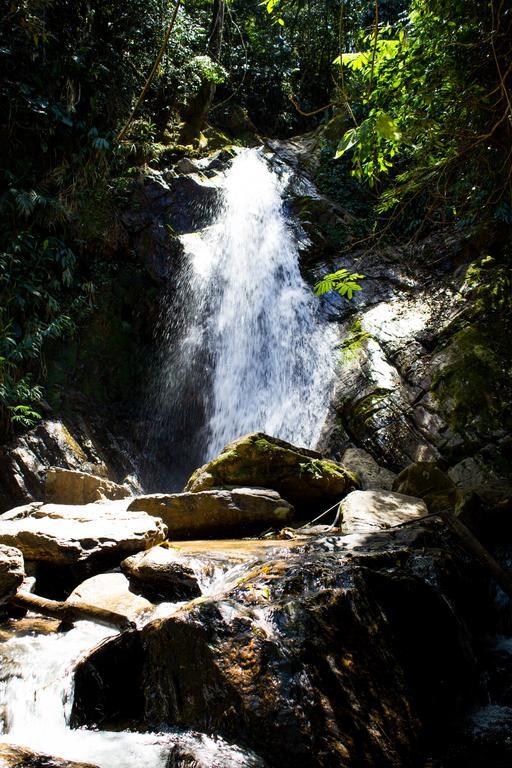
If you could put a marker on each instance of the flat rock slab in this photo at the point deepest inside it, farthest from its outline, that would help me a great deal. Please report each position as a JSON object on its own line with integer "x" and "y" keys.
{"x": 111, "y": 591}
{"x": 89, "y": 536}
{"x": 68, "y": 486}
{"x": 12, "y": 572}
{"x": 366, "y": 511}
{"x": 215, "y": 512}
{"x": 12, "y": 756}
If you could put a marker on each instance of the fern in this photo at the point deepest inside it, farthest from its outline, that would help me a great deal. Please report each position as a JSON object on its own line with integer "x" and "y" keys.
{"x": 342, "y": 281}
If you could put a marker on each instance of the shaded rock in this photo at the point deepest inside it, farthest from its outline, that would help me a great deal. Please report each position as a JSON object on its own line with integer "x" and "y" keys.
{"x": 89, "y": 446}
{"x": 12, "y": 756}
{"x": 214, "y": 512}
{"x": 12, "y": 572}
{"x": 302, "y": 476}
{"x": 111, "y": 591}
{"x": 425, "y": 480}
{"x": 370, "y": 474}
{"x": 67, "y": 486}
{"x": 363, "y": 511}
{"x": 290, "y": 652}
{"x": 87, "y": 538}
{"x": 183, "y": 202}
{"x": 155, "y": 246}
{"x": 185, "y": 166}
{"x": 160, "y": 572}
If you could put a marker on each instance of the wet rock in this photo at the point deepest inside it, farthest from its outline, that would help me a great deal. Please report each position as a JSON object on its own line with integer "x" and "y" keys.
{"x": 86, "y": 538}
{"x": 215, "y": 512}
{"x": 67, "y": 486}
{"x": 339, "y": 659}
{"x": 371, "y": 475}
{"x": 12, "y": 572}
{"x": 111, "y": 591}
{"x": 363, "y": 511}
{"x": 12, "y": 756}
{"x": 161, "y": 572}
{"x": 301, "y": 476}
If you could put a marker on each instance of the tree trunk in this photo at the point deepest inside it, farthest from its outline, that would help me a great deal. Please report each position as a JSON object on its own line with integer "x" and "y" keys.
{"x": 198, "y": 109}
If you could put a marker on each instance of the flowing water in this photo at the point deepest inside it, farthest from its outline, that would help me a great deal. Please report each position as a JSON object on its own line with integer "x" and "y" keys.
{"x": 244, "y": 346}
{"x": 36, "y": 697}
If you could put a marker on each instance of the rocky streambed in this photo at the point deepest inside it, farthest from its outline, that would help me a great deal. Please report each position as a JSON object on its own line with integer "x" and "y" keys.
{"x": 370, "y": 637}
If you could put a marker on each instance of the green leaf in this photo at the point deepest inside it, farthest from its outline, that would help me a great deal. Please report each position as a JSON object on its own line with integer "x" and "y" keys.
{"x": 387, "y": 127}
{"x": 350, "y": 139}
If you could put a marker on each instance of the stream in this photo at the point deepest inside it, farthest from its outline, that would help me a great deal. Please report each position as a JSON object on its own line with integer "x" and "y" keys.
{"x": 37, "y": 663}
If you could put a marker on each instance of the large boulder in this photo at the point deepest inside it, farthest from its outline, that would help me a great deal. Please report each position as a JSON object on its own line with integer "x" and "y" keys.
{"x": 437, "y": 489}
{"x": 86, "y": 538}
{"x": 371, "y": 475}
{"x": 161, "y": 573}
{"x": 12, "y": 572}
{"x": 425, "y": 480}
{"x": 111, "y": 591}
{"x": 300, "y": 475}
{"x": 339, "y": 658}
{"x": 214, "y": 512}
{"x": 367, "y": 511}
{"x": 68, "y": 486}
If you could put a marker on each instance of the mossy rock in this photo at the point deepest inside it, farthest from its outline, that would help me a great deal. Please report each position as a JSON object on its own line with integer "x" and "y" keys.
{"x": 301, "y": 476}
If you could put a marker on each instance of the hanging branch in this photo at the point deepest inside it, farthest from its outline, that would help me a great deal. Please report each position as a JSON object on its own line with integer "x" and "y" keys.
{"x": 153, "y": 72}
{"x": 374, "y": 49}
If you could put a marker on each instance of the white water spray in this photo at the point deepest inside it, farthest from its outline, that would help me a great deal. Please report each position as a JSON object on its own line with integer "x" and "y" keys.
{"x": 252, "y": 322}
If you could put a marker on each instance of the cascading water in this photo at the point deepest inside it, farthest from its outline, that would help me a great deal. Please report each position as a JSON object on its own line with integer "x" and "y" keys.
{"x": 245, "y": 349}
{"x": 36, "y": 695}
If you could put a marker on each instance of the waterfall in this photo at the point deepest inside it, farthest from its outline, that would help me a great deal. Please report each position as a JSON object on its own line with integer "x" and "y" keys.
{"x": 244, "y": 346}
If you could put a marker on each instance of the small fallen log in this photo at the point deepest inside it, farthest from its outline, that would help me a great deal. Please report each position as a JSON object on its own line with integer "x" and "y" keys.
{"x": 69, "y": 612}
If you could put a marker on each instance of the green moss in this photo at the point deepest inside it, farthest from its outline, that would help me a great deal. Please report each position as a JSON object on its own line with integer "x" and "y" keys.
{"x": 365, "y": 409}
{"x": 351, "y": 346}
{"x": 474, "y": 389}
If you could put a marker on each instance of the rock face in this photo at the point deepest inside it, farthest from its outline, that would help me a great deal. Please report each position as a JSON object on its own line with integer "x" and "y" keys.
{"x": 111, "y": 591}
{"x": 345, "y": 653}
{"x": 85, "y": 446}
{"x": 12, "y": 572}
{"x": 366, "y": 511}
{"x": 87, "y": 538}
{"x": 422, "y": 374}
{"x": 67, "y": 486}
{"x": 20, "y": 757}
{"x": 216, "y": 512}
{"x": 301, "y": 476}
{"x": 159, "y": 572}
